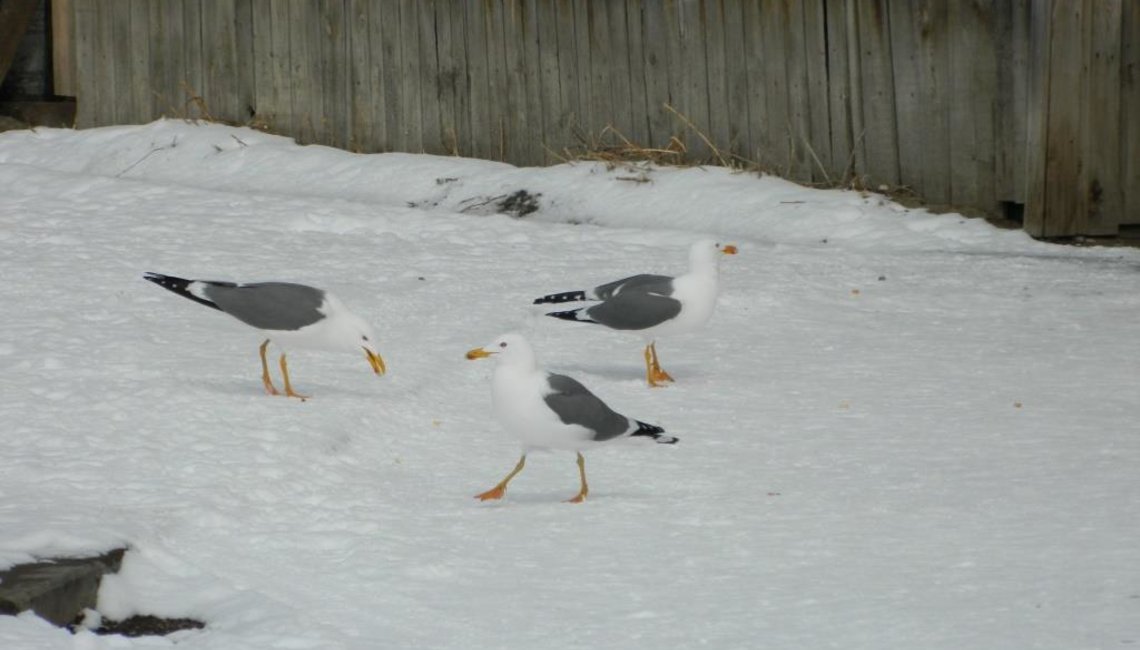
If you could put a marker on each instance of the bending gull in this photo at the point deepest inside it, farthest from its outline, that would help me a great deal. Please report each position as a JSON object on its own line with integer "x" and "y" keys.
{"x": 551, "y": 411}
{"x": 654, "y": 305}
{"x": 290, "y": 315}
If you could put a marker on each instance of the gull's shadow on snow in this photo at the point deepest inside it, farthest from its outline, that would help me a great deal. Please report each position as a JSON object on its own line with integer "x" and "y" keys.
{"x": 624, "y": 372}
{"x": 254, "y": 388}
{"x": 535, "y": 499}
{"x": 230, "y": 387}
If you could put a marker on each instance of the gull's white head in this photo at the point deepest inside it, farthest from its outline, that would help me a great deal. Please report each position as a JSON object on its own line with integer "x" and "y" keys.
{"x": 352, "y": 333}
{"x": 511, "y": 349}
{"x": 706, "y": 253}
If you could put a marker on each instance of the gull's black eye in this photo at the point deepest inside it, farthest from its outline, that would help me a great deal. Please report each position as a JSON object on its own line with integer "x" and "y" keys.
{"x": 364, "y": 338}
{"x": 503, "y": 344}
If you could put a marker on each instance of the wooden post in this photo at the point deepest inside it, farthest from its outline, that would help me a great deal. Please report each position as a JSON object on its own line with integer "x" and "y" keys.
{"x": 1100, "y": 188}
{"x": 1037, "y": 118}
{"x": 63, "y": 48}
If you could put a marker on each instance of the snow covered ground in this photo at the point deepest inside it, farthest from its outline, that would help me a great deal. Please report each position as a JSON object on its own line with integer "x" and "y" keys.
{"x": 900, "y": 430}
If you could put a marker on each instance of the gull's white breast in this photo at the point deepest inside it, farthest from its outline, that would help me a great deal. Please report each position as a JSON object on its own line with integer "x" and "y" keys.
{"x": 517, "y": 399}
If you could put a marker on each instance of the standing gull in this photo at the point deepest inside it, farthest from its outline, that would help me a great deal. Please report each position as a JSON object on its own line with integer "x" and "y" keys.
{"x": 654, "y": 305}
{"x": 550, "y": 411}
{"x": 290, "y": 315}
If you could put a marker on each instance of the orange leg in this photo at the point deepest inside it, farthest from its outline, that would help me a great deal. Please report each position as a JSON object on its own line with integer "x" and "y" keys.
{"x": 654, "y": 375}
{"x": 649, "y": 369}
{"x": 269, "y": 387}
{"x": 289, "y": 387}
{"x": 500, "y": 489}
{"x": 661, "y": 375}
{"x": 585, "y": 489}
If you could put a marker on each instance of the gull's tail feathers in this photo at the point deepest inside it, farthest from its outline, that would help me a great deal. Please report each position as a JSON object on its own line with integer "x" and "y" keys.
{"x": 653, "y": 431}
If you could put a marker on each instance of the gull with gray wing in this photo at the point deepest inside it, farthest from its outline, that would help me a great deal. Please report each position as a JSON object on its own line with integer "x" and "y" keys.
{"x": 652, "y": 305}
{"x": 290, "y": 315}
{"x": 551, "y": 411}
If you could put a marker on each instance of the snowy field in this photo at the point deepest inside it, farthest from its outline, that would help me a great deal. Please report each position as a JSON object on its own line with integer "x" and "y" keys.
{"x": 899, "y": 430}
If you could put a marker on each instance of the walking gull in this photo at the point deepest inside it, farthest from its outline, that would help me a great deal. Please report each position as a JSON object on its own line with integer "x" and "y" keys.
{"x": 551, "y": 411}
{"x": 654, "y": 305}
{"x": 291, "y": 315}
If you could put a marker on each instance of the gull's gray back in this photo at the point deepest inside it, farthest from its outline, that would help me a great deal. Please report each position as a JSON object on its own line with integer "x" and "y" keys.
{"x": 653, "y": 283}
{"x": 268, "y": 305}
{"x": 640, "y": 302}
{"x": 575, "y": 404}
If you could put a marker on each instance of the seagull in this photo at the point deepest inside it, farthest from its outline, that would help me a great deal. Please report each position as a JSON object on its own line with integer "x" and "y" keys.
{"x": 654, "y": 305}
{"x": 551, "y": 411}
{"x": 291, "y": 315}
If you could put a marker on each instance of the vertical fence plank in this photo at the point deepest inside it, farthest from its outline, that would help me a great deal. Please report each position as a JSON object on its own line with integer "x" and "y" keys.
{"x": 105, "y": 61}
{"x": 304, "y": 84}
{"x": 333, "y": 46}
{"x": 159, "y": 63}
{"x": 736, "y": 77}
{"x": 274, "y": 100}
{"x": 877, "y": 94}
{"x": 391, "y": 57}
{"x": 656, "y": 40}
{"x": 717, "y": 98}
{"x": 1101, "y": 193}
{"x": 448, "y": 75}
{"x": 411, "y": 128}
{"x": 588, "y": 126}
{"x": 694, "y": 77}
{"x": 603, "y": 65}
{"x": 194, "y": 71}
{"x": 758, "y": 115}
{"x": 817, "y": 101}
{"x": 777, "y": 137}
{"x": 549, "y": 75}
{"x": 139, "y": 92}
{"x": 265, "y": 91}
{"x": 62, "y": 47}
{"x": 636, "y": 48}
{"x": 1062, "y": 145}
{"x": 1037, "y": 92}
{"x": 86, "y": 87}
{"x": 359, "y": 137}
{"x": 839, "y": 102}
{"x": 1129, "y": 108}
{"x": 974, "y": 91}
{"x": 499, "y": 92}
{"x": 569, "y": 121}
{"x": 429, "y": 82}
{"x": 245, "y": 61}
{"x": 1012, "y": 39}
{"x": 479, "y": 81}
{"x": 119, "y": 62}
{"x": 534, "y": 153}
{"x": 620, "y": 92}
{"x": 219, "y": 53}
{"x": 799, "y": 116}
{"x": 520, "y": 30}
{"x": 920, "y": 50}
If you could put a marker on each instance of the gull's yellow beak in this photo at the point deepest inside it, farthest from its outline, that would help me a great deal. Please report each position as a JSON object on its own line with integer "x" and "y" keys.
{"x": 478, "y": 353}
{"x": 728, "y": 249}
{"x": 375, "y": 361}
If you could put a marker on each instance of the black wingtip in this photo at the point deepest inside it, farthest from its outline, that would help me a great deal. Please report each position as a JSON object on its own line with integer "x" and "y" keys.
{"x": 180, "y": 286}
{"x": 565, "y": 296}
{"x": 573, "y": 314}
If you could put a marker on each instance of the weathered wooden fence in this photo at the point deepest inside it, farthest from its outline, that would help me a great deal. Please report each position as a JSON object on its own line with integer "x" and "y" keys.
{"x": 973, "y": 103}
